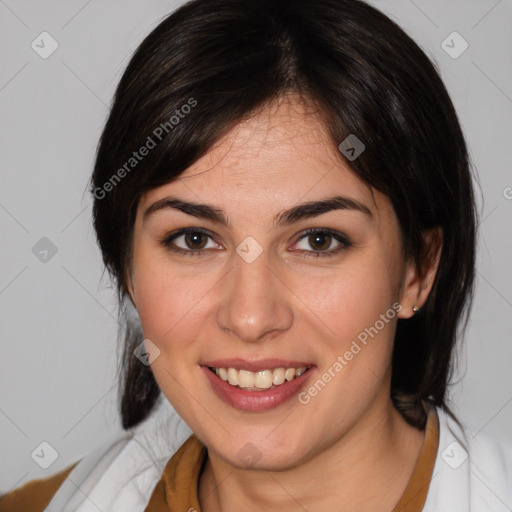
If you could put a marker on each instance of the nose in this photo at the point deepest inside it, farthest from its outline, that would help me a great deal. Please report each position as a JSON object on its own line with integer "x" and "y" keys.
{"x": 255, "y": 302}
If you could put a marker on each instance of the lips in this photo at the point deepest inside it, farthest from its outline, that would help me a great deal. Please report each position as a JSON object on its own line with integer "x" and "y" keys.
{"x": 252, "y": 398}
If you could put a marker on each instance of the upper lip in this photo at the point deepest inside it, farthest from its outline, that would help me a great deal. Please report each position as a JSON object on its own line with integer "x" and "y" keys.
{"x": 254, "y": 365}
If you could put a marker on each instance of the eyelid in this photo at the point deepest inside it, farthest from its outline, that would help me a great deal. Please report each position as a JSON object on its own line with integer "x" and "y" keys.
{"x": 167, "y": 241}
{"x": 343, "y": 239}
{"x": 340, "y": 237}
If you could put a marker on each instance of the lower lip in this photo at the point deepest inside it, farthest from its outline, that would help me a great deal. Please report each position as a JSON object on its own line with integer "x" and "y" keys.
{"x": 256, "y": 400}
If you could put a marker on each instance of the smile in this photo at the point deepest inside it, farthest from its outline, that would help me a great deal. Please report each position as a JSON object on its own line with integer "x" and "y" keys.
{"x": 257, "y": 386}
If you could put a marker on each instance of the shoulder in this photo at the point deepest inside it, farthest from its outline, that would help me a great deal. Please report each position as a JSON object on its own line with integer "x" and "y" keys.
{"x": 35, "y": 495}
{"x": 472, "y": 471}
{"x": 118, "y": 475}
{"x": 53, "y": 492}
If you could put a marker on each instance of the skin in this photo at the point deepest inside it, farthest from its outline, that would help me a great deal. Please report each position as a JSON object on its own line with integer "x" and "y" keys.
{"x": 348, "y": 448}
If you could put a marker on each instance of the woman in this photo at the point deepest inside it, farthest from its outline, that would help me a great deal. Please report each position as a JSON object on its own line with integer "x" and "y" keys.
{"x": 283, "y": 194}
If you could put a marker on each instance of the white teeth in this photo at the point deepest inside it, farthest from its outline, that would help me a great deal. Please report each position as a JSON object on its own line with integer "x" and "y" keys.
{"x": 300, "y": 371}
{"x": 278, "y": 376}
{"x": 264, "y": 379}
{"x": 289, "y": 374}
{"x": 245, "y": 379}
{"x": 232, "y": 376}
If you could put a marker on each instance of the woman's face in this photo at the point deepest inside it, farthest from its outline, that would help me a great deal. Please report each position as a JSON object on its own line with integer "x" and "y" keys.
{"x": 247, "y": 289}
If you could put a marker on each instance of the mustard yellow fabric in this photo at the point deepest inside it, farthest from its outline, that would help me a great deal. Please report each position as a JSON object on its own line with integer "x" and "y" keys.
{"x": 414, "y": 497}
{"x": 35, "y": 495}
{"x": 177, "y": 488}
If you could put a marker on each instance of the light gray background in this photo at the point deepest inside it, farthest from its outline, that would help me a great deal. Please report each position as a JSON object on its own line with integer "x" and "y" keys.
{"x": 58, "y": 322}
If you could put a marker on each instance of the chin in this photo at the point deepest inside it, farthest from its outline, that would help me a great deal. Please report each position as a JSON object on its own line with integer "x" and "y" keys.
{"x": 259, "y": 451}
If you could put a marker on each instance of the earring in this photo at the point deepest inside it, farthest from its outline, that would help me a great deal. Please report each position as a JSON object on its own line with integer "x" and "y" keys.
{"x": 415, "y": 309}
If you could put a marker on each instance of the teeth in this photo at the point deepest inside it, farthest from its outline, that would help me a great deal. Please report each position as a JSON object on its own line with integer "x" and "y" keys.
{"x": 278, "y": 376}
{"x": 233, "y": 377}
{"x": 264, "y": 379}
{"x": 289, "y": 374}
{"x": 245, "y": 379}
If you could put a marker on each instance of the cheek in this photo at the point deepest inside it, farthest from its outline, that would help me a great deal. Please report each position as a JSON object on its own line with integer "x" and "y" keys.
{"x": 166, "y": 304}
{"x": 353, "y": 315}
{"x": 172, "y": 311}
{"x": 348, "y": 299}
{"x": 354, "y": 341}
{"x": 171, "y": 304}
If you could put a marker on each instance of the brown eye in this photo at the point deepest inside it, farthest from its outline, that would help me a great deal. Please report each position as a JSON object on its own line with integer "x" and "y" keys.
{"x": 320, "y": 241}
{"x": 195, "y": 240}
{"x": 189, "y": 242}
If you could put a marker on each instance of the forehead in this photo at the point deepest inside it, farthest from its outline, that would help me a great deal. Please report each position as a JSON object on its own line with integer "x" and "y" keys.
{"x": 285, "y": 131}
{"x": 275, "y": 157}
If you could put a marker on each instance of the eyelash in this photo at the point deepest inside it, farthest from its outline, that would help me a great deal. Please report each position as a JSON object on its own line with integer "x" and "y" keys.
{"x": 344, "y": 241}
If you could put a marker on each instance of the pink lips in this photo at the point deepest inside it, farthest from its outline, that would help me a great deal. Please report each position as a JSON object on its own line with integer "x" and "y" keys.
{"x": 255, "y": 401}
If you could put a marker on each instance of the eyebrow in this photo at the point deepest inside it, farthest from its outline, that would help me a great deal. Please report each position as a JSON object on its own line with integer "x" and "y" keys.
{"x": 286, "y": 217}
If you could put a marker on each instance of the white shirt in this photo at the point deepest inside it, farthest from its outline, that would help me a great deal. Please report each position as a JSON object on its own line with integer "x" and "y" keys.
{"x": 472, "y": 471}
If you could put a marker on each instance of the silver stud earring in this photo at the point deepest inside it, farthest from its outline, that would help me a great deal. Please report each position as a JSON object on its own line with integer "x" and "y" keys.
{"x": 415, "y": 309}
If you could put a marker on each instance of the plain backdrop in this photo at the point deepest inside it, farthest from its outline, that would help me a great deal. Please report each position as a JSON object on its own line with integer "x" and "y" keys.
{"x": 58, "y": 329}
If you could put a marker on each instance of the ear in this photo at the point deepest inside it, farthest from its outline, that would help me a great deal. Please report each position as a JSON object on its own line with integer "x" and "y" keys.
{"x": 417, "y": 282}
{"x": 130, "y": 287}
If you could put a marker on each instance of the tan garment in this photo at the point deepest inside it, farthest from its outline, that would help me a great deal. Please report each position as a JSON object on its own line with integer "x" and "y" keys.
{"x": 177, "y": 489}
{"x": 35, "y": 495}
{"x": 415, "y": 494}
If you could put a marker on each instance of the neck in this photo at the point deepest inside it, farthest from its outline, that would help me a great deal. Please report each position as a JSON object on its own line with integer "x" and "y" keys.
{"x": 366, "y": 470}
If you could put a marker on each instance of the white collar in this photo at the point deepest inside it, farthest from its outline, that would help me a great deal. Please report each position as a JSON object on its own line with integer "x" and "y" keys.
{"x": 121, "y": 474}
{"x": 472, "y": 471}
